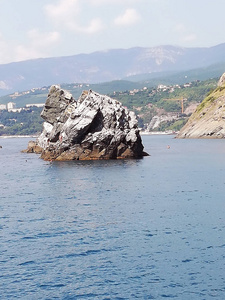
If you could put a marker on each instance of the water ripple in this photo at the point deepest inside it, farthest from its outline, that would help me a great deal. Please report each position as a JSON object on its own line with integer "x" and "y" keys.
{"x": 145, "y": 229}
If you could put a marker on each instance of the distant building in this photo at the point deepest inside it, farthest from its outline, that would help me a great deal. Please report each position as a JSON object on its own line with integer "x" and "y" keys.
{"x": 187, "y": 84}
{"x": 36, "y": 105}
{"x": 134, "y": 92}
{"x": 15, "y": 110}
{"x": 2, "y": 106}
{"x": 11, "y": 105}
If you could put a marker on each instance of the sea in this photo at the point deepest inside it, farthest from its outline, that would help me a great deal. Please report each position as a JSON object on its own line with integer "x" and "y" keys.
{"x": 152, "y": 228}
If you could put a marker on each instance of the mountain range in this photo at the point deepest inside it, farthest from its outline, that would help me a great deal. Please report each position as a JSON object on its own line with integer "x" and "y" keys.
{"x": 105, "y": 66}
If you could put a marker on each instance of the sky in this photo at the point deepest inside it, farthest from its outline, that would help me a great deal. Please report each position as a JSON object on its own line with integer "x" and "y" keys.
{"x": 49, "y": 28}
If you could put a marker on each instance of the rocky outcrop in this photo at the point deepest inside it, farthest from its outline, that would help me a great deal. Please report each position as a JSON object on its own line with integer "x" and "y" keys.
{"x": 157, "y": 120}
{"x": 222, "y": 80}
{"x": 208, "y": 121}
{"x": 33, "y": 147}
{"x": 94, "y": 127}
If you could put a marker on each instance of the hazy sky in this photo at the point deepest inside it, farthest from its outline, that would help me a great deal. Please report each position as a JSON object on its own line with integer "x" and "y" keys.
{"x": 45, "y": 28}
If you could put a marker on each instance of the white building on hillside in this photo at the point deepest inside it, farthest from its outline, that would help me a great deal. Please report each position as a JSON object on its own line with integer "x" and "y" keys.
{"x": 36, "y": 105}
{"x": 11, "y": 105}
{"x": 15, "y": 110}
{"x": 2, "y": 106}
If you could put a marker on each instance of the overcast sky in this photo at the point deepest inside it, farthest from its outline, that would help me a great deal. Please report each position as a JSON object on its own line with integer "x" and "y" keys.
{"x": 44, "y": 28}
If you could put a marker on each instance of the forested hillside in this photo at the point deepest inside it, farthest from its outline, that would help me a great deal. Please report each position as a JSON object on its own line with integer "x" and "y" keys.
{"x": 113, "y": 64}
{"x": 147, "y": 102}
{"x": 26, "y": 122}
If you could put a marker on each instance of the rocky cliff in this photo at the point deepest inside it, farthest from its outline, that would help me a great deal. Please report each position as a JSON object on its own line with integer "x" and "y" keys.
{"x": 208, "y": 121}
{"x": 94, "y": 127}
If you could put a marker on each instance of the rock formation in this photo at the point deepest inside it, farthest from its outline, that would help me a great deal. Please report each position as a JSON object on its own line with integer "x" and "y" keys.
{"x": 208, "y": 121}
{"x": 94, "y": 127}
{"x": 222, "y": 80}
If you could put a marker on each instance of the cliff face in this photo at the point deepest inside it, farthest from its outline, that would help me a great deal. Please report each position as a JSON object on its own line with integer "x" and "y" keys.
{"x": 208, "y": 121}
{"x": 94, "y": 127}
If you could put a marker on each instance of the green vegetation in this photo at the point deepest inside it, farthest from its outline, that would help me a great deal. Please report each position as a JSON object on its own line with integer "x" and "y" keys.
{"x": 211, "y": 96}
{"x": 172, "y": 125}
{"x": 26, "y": 122}
{"x": 39, "y": 95}
{"x": 148, "y": 102}
{"x": 195, "y": 92}
{"x": 144, "y": 100}
{"x": 171, "y": 78}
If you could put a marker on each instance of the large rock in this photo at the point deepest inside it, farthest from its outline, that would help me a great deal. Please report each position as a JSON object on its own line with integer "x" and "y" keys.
{"x": 94, "y": 127}
{"x": 208, "y": 121}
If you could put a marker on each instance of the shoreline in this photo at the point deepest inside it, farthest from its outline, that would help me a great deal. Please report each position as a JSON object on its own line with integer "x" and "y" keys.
{"x": 158, "y": 133}
{"x": 18, "y": 136}
{"x": 141, "y": 133}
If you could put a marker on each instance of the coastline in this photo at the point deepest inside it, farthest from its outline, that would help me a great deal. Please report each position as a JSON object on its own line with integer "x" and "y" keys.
{"x": 141, "y": 133}
{"x": 18, "y": 136}
{"x": 170, "y": 132}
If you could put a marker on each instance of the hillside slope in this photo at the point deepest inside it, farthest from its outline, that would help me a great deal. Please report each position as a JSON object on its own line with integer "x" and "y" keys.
{"x": 105, "y": 66}
{"x": 208, "y": 121}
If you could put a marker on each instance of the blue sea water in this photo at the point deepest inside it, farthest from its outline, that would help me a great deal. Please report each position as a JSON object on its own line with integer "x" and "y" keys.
{"x": 133, "y": 229}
